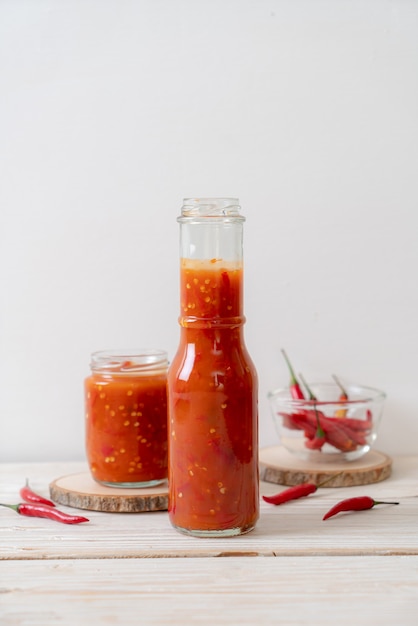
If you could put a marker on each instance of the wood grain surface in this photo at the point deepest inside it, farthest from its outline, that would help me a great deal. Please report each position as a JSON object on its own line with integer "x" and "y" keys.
{"x": 307, "y": 590}
{"x": 356, "y": 568}
{"x": 293, "y": 529}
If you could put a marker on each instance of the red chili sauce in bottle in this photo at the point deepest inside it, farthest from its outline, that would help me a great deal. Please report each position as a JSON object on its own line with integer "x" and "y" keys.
{"x": 213, "y": 402}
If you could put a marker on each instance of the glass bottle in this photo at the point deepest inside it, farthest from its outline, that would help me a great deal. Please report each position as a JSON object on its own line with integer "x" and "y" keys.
{"x": 212, "y": 382}
{"x": 126, "y": 417}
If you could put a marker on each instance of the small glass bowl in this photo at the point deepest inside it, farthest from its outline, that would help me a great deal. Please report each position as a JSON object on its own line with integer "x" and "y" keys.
{"x": 328, "y": 429}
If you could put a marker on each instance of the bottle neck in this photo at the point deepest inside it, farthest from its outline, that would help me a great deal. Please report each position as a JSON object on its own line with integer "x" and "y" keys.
{"x": 211, "y": 265}
{"x": 211, "y": 294}
{"x": 211, "y": 228}
{"x": 209, "y": 239}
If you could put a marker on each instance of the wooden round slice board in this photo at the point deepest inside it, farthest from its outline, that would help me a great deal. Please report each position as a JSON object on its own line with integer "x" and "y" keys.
{"x": 83, "y": 492}
{"x": 279, "y": 466}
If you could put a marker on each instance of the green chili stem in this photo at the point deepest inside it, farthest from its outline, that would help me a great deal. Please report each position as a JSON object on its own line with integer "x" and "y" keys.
{"x": 329, "y": 478}
{"x": 15, "y": 507}
{"x": 319, "y": 430}
{"x": 293, "y": 379}
{"x": 343, "y": 391}
{"x": 308, "y": 389}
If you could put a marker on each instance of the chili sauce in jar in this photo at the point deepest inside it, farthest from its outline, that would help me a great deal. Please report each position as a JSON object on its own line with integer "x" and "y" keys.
{"x": 126, "y": 417}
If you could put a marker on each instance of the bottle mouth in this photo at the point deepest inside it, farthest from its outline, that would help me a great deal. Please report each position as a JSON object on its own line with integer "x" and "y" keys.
{"x": 211, "y": 207}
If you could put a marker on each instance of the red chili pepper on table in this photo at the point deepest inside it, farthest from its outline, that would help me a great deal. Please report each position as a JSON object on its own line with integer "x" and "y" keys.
{"x": 30, "y": 496}
{"x": 42, "y": 510}
{"x": 360, "y": 503}
{"x": 298, "y": 491}
{"x": 295, "y": 388}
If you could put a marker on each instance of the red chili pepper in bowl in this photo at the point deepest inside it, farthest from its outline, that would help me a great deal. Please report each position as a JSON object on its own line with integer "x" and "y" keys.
{"x": 297, "y": 491}
{"x": 336, "y": 432}
{"x": 343, "y": 398}
{"x": 360, "y": 503}
{"x": 317, "y": 441}
{"x": 30, "y": 496}
{"x": 352, "y": 423}
{"x": 43, "y": 510}
{"x": 295, "y": 388}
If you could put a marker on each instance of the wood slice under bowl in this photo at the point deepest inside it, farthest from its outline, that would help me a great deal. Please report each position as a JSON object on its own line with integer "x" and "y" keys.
{"x": 83, "y": 492}
{"x": 279, "y": 466}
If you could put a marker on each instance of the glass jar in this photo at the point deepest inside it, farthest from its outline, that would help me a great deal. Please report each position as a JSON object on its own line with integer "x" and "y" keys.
{"x": 126, "y": 417}
{"x": 212, "y": 382}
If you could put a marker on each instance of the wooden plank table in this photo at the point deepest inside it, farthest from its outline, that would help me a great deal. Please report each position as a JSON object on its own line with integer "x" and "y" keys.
{"x": 355, "y": 568}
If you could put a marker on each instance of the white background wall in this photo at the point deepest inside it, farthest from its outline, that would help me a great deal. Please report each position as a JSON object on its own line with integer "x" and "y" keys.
{"x": 112, "y": 111}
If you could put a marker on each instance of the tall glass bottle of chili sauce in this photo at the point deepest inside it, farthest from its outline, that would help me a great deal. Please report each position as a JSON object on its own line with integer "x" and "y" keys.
{"x": 212, "y": 382}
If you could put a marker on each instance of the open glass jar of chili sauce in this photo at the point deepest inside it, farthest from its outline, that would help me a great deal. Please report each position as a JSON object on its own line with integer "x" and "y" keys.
{"x": 212, "y": 382}
{"x": 126, "y": 417}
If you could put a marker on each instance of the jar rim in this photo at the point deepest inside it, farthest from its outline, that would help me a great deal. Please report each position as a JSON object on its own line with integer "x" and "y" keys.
{"x": 221, "y": 207}
{"x": 128, "y": 360}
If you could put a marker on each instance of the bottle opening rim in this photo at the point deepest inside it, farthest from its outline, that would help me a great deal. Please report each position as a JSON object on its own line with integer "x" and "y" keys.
{"x": 211, "y": 207}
